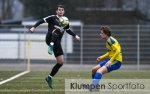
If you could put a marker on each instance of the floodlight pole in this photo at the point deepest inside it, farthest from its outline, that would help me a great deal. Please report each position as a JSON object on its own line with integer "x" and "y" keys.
{"x": 81, "y": 46}
{"x": 25, "y": 45}
{"x": 138, "y": 47}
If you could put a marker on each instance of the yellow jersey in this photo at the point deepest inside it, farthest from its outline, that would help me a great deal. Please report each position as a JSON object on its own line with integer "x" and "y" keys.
{"x": 114, "y": 50}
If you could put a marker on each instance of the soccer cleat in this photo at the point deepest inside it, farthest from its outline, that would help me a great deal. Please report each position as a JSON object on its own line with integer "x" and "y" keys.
{"x": 93, "y": 88}
{"x": 50, "y": 49}
{"x": 49, "y": 81}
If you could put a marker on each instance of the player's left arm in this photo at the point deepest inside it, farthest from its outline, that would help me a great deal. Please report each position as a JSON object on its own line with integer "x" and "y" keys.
{"x": 117, "y": 51}
{"x": 102, "y": 57}
{"x": 32, "y": 29}
{"x": 69, "y": 31}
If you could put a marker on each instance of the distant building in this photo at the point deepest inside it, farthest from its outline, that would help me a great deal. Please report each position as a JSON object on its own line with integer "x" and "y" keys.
{"x": 97, "y": 11}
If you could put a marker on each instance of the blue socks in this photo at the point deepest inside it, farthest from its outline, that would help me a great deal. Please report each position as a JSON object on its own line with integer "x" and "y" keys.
{"x": 98, "y": 75}
{"x": 96, "y": 79}
{"x": 93, "y": 75}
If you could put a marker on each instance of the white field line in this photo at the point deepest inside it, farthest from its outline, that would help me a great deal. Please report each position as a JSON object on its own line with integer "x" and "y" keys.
{"x": 14, "y": 77}
{"x": 30, "y": 90}
{"x": 57, "y": 90}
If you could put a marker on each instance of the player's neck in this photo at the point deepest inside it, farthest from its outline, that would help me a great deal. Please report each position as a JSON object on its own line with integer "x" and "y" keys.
{"x": 58, "y": 16}
{"x": 106, "y": 38}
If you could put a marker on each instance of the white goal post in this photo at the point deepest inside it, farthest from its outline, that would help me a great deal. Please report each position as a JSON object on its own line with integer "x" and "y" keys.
{"x": 68, "y": 41}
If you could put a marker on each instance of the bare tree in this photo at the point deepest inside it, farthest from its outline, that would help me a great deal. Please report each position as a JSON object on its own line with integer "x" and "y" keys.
{"x": 6, "y": 9}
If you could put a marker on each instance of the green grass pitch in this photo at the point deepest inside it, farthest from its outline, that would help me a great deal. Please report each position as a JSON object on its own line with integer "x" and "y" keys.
{"x": 34, "y": 82}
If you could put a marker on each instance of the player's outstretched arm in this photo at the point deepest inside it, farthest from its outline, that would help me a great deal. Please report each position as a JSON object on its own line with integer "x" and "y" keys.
{"x": 73, "y": 34}
{"x": 77, "y": 37}
{"x": 32, "y": 29}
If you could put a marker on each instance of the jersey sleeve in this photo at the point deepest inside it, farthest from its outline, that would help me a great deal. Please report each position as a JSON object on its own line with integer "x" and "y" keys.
{"x": 38, "y": 23}
{"x": 48, "y": 19}
{"x": 70, "y": 32}
{"x": 117, "y": 51}
{"x": 104, "y": 56}
{"x": 115, "y": 48}
{"x": 110, "y": 42}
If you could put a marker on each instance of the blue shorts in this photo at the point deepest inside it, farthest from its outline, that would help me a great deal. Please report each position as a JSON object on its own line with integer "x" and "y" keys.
{"x": 116, "y": 65}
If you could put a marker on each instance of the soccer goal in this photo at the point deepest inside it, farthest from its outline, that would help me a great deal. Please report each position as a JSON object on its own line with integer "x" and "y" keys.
{"x": 72, "y": 49}
{"x": 14, "y": 52}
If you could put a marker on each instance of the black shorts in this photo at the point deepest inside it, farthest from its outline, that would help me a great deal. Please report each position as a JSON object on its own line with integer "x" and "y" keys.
{"x": 57, "y": 45}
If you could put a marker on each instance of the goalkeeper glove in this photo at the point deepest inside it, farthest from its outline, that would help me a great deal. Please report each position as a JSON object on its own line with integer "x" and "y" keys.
{"x": 50, "y": 48}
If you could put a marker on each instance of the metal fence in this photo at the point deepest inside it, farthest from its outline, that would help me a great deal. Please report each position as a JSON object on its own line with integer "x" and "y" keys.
{"x": 134, "y": 40}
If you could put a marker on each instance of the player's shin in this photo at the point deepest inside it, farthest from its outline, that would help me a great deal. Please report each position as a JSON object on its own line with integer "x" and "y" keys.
{"x": 55, "y": 69}
{"x": 96, "y": 79}
{"x": 93, "y": 75}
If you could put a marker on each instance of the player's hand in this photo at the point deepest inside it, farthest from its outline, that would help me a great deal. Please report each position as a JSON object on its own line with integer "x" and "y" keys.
{"x": 98, "y": 60}
{"x": 77, "y": 37}
{"x": 32, "y": 29}
{"x": 108, "y": 64}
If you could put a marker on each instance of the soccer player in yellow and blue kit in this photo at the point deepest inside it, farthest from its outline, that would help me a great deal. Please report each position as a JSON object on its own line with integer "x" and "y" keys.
{"x": 111, "y": 60}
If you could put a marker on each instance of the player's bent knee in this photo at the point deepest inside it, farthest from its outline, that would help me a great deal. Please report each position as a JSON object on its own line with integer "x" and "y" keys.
{"x": 102, "y": 70}
{"x": 94, "y": 69}
{"x": 61, "y": 63}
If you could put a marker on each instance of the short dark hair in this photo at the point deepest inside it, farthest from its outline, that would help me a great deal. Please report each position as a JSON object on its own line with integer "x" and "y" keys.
{"x": 61, "y": 6}
{"x": 106, "y": 30}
